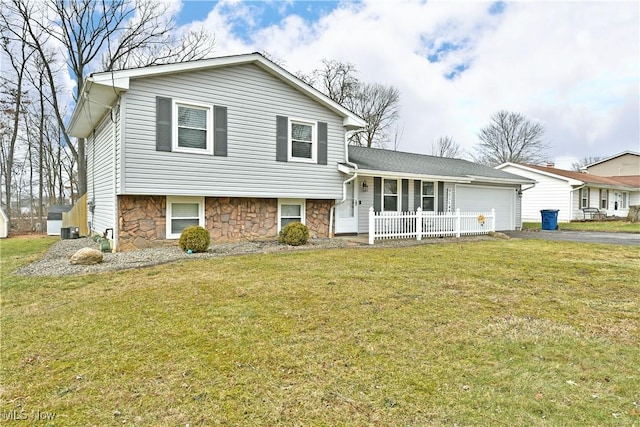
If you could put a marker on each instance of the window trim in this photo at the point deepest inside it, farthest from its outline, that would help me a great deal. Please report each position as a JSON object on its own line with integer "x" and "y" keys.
{"x": 584, "y": 197}
{"x": 433, "y": 196}
{"x": 183, "y": 199}
{"x": 314, "y": 140}
{"x": 604, "y": 199}
{"x": 303, "y": 210}
{"x": 398, "y": 195}
{"x": 624, "y": 203}
{"x": 176, "y": 103}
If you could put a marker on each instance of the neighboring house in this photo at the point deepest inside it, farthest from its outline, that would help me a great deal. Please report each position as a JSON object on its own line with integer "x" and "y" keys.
{"x": 626, "y": 163}
{"x": 624, "y": 168}
{"x": 398, "y": 181}
{"x": 242, "y": 147}
{"x": 570, "y": 192}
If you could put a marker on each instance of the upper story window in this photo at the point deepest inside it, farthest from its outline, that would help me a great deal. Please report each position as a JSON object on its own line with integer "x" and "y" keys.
{"x": 302, "y": 141}
{"x": 428, "y": 196}
{"x": 192, "y": 132}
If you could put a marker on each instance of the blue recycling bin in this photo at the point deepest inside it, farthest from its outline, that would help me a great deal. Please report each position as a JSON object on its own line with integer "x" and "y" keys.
{"x": 549, "y": 219}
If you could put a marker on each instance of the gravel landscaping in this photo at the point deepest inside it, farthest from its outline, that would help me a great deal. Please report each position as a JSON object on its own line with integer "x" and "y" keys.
{"x": 56, "y": 261}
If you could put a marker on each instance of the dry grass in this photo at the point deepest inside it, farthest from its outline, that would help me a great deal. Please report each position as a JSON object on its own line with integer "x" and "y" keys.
{"x": 607, "y": 226}
{"x": 486, "y": 333}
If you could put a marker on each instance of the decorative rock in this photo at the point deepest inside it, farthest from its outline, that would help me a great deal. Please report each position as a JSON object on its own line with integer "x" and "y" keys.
{"x": 86, "y": 256}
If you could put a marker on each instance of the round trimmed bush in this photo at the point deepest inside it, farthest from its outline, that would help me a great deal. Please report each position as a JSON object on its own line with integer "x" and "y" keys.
{"x": 195, "y": 238}
{"x": 294, "y": 234}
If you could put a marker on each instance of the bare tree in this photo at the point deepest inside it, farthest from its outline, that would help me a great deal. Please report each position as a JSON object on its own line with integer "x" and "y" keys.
{"x": 377, "y": 104}
{"x": 577, "y": 166}
{"x": 338, "y": 80}
{"x": 12, "y": 105}
{"x": 445, "y": 146}
{"x": 122, "y": 33}
{"x": 511, "y": 137}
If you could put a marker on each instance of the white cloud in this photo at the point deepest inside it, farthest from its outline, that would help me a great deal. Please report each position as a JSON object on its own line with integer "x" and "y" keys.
{"x": 572, "y": 65}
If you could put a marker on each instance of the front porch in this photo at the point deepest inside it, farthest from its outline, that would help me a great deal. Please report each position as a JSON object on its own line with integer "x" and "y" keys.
{"x": 420, "y": 224}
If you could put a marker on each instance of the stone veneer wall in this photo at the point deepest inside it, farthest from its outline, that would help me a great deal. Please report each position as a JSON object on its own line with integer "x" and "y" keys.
{"x": 317, "y": 213}
{"x": 230, "y": 219}
{"x": 142, "y": 220}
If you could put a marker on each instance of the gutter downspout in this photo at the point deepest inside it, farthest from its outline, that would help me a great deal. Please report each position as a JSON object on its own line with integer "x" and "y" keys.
{"x": 344, "y": 184}
{"x": 115, "y": 230}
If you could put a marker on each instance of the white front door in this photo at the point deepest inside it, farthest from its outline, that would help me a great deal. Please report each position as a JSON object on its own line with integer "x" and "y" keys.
{"x": 347, "y": 212}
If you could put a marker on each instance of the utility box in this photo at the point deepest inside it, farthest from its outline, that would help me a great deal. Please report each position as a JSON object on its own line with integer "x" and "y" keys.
{"x": 549, "y": 219}
{"x": 54, "y": 219}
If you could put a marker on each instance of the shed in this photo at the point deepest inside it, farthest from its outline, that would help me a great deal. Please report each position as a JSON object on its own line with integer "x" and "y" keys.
{"x": 4, "y": 224}
{"x": 54, "y": 219}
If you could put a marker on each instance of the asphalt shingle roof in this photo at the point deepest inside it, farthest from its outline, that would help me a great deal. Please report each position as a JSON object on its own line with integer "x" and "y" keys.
{"x": 587, "y": 178}
{"x": 411, "y": 163}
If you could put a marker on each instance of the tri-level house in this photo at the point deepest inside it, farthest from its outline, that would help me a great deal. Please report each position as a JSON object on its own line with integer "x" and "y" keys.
{"x": 242, "y": 147}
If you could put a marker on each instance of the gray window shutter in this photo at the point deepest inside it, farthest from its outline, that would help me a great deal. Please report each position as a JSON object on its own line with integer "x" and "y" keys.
{"x": 322, "y": 143}
{"x": 417, "y": 194}
{"x": 405, "y": 195}
{"x": 282, "y": 138}
{"x": 163, "y": 124}
{"x": 220, "y": 131}
{"x": 440, "y": 196}
{"x": 377, "y": 194}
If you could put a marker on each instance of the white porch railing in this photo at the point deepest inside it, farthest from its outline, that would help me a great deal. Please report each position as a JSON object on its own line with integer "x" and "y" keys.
{"x": 419, "y": 224}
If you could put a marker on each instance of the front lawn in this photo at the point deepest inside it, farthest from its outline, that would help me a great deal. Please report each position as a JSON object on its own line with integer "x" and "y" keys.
{"x": 608, "y": 226}
{"x": 500, "y": 332}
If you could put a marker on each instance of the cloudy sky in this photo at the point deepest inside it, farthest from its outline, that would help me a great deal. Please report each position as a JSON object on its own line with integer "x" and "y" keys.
{"x": 574, "y": 66}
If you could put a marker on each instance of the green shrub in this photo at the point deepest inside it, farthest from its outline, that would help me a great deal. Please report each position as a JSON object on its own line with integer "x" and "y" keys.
{"x": 294, "y": 234}
{"x": 195, "y": 238}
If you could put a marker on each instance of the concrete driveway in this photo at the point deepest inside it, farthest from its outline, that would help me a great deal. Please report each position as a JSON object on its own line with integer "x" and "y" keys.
{"x": 579, "y": 236}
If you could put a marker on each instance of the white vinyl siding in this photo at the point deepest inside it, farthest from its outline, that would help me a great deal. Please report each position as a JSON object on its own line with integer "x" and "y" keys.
{"x": 118, "y": 148}
{"x": 101, "y": 177}
{"x": 548, "y": 193}
{"x": 253, "y": 99}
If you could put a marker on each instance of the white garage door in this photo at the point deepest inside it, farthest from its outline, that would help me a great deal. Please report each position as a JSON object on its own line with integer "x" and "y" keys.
{"x": 483, "y": 199}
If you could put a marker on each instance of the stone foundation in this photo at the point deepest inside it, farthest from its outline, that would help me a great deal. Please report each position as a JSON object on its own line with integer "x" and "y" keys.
{"x": 317, "y": 217}
{"x": 230, "y": 219}
{"x": 142, "y": 220}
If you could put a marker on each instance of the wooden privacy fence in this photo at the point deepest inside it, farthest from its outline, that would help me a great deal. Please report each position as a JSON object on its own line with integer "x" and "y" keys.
{"x": 77, "y": 216}
{"x": 419, "y": 224}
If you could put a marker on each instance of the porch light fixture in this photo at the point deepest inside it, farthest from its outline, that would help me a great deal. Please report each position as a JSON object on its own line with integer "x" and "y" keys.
{"x": 365, "y": 187}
